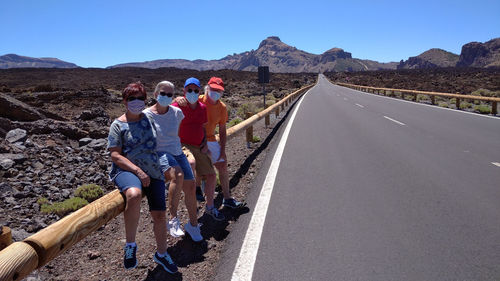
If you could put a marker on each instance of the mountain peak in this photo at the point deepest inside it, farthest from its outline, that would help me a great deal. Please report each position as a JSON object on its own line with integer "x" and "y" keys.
{"x": 271, "y": 40}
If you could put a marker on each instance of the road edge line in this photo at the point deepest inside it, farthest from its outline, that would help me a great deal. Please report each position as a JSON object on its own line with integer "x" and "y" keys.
{"x": 243, "y": 270}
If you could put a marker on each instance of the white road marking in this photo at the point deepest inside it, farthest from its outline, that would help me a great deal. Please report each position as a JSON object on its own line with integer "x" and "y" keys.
{"x": 246, "y": 261}
{"x": 423, "y": 104}
{"x": 360, "y": 105}
{"x": 496, "y": 164}
{"x": 395, "y": 121}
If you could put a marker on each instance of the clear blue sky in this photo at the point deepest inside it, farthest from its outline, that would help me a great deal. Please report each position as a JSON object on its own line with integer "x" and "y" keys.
{"x": 102, "y": 33}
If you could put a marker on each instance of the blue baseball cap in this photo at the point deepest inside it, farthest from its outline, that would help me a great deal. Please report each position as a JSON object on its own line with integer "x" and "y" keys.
{"x": 192, "y": 80}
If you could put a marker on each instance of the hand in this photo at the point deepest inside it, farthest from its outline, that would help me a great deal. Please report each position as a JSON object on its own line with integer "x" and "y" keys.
{"x": 204, "y": 148}
{"x": 181, "y": 101}
{"x": 145, "y": 179}
{"x": 222, "y": 156}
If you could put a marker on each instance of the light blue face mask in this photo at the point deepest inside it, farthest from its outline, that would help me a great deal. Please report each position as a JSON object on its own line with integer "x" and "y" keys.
{"x": 192, "y": 97}
{"x": 214, "y": 95}
{"x": 164, "y": 100}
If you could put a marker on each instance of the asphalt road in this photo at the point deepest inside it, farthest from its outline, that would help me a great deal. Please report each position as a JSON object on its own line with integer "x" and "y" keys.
{"x": 373, "y": 188}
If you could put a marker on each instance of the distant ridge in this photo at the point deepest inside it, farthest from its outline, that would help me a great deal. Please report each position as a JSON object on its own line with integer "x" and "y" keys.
{"x": 16, "y": 61}
{"x": 430, "y": 59}
{"x": 279, "y": 56}
{"x": 474, "y": 54}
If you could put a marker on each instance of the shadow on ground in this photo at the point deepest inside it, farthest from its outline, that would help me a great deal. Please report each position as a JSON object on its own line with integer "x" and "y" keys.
{"x": 186, "y": 251}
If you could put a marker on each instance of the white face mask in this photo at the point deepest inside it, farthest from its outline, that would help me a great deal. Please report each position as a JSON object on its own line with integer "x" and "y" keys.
{"x": 192, "y": 97}
{"x": 214, "y": 95}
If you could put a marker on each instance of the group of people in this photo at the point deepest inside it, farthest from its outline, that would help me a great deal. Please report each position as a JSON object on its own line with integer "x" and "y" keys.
{"x": 172, "y": 141}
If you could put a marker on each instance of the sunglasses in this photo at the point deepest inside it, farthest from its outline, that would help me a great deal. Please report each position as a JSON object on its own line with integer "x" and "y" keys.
{"x": 136, "y": 98}
{"x": 191, "y": 90}
{"x": 166, "y": 94}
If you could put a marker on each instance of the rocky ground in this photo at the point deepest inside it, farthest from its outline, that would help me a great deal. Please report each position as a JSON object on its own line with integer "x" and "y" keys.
{"x": 55, "y": 140}
{"x": 53, "y": 129}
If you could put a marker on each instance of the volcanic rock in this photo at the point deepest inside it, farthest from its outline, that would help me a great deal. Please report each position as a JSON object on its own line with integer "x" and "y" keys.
{"x": 17, "y": 110}
{"x": 16, "y": 135}
{"x": 476, "y": 54}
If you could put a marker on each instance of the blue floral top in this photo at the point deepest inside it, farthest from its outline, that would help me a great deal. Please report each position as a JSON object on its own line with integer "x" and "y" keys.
{"x": 138, "y": 142}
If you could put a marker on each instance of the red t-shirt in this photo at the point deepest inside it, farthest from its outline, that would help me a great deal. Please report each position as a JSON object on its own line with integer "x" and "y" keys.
{"x": 191, "y": 128}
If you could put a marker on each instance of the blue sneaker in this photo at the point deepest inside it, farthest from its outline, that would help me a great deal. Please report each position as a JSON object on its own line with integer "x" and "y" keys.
{"x": 166, "y": 262}
{"x": 215, "y": 214}
{"x": 199, "y": 194}
{"x": 129, "y": 259}
{"x": 232, "y": 203}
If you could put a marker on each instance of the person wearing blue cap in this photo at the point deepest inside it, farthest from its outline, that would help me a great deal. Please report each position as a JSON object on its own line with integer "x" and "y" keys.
{"x": 194, "y": 140}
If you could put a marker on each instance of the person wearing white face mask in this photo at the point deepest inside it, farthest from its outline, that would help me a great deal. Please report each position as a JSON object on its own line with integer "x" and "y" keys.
{"x": 217, "y": 116}
{"x": 136, "y": 170}
{"x": 174, "y": 164}
{"x": 193, "y": 138}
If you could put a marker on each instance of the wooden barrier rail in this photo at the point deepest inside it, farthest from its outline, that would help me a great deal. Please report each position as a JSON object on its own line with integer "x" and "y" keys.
{"x": 494, "y": 101}
{"x": 20, "y": 258}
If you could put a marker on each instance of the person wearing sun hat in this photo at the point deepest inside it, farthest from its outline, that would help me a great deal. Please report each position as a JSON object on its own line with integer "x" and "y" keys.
{"x": 217, "y": 116}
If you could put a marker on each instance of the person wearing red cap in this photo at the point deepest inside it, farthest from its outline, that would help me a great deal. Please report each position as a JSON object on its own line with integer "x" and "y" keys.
{"x": 217, "y": 115}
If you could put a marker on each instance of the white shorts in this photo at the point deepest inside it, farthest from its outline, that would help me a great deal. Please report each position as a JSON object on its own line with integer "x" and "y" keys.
{"x": 214, "y": 148}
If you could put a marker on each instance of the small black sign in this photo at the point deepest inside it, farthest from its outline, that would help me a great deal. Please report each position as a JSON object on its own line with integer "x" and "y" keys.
{"x": 263, "y": 74}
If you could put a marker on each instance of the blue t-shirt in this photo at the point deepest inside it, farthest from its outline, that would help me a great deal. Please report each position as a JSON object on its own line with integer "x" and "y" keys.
{"x": 138, "y": 142}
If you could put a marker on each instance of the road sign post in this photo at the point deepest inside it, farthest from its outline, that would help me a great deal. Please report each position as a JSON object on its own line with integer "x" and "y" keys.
{"x": 263, "y": 79}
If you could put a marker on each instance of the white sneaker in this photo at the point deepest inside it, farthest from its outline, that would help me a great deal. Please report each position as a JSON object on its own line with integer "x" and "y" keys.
{"x": 194, "y": 231}
{"x": 174, "y": 227}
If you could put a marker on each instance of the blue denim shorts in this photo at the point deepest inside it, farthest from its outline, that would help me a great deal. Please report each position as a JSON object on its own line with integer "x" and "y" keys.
{"x": 168, "y": 160}
{"x": 155, "y": 192}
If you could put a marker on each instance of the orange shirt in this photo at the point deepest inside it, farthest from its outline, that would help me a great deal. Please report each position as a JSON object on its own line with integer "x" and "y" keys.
{"x": 217, "y": 115}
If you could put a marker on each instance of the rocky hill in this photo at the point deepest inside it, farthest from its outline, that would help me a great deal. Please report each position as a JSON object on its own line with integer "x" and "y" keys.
{"x": 430, "y": 59}
{"x": 16, "y": 61}
{"x": 279, "y": 56}
{"x": 476, "y": 54}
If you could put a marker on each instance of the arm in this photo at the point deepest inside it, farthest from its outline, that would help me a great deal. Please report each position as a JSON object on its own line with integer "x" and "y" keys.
{"x": 203, "y": 145}
{"x": 222, "y": 141}
{"x": 127, "y": 165}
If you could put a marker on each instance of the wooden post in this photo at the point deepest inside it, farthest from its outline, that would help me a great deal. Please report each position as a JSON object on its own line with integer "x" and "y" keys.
{"x": 403, "y": 95}
{"x": 494, "y": 108}
{"x": 414, "y": 96}
{"x": 17, "y": 261}
{"x": 5, "y": 237}
{"x": 457, "y": 103}
{"x": 277, "y": 111}
{"x": 61, "y": 235}
{"x": 249, "y": 131}
{"x": 433, "y": 99}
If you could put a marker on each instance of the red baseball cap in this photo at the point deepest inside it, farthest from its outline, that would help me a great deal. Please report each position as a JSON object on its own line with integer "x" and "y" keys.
{"x": 216, "y": 83}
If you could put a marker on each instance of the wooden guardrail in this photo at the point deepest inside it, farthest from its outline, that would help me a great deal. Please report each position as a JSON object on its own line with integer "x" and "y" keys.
{"x": 458, "y": 97}
{"x": 20, "y": 258}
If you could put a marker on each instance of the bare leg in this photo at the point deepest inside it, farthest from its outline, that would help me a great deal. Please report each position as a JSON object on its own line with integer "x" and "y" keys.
{"x": 174, "y": 192}
{"x": 190, "y": 201}
{"x": 160, "y": 230}
{"x": 210, "y": 189}
{"x": 132, "y": 212}
{"x": 224, "y": 178}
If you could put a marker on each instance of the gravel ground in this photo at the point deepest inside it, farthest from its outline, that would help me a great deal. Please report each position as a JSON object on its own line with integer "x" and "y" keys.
{"x": 99, "y": 256}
